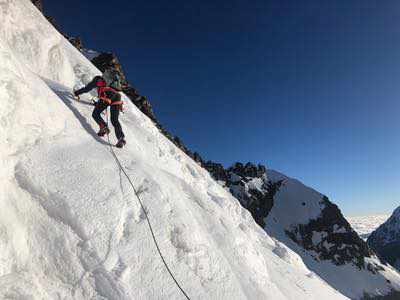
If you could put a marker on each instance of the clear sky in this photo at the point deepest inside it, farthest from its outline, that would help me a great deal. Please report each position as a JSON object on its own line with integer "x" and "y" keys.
{"x": 311, "y": 89}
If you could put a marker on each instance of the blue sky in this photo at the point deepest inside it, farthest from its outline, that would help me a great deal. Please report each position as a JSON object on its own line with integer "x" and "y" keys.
{"x": 311, "y": 89}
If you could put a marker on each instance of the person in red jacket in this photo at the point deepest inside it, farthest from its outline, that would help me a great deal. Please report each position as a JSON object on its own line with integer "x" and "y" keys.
{"x": 107, "y": 97}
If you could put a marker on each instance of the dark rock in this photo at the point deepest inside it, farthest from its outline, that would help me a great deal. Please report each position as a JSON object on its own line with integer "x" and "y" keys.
{"x": 248, "y": 170}
{"x": 385, "y": 240}
{"x": 258, "y": 201}
{"x": 38, "y": 4}
{"x": 76, "y": 42}
{"x": 336, "y": 242}
{"x": 53, "y": 22}
{"x": 105, "y": 60}
{"x": 197, "y": 158}
{"x": 216, "y": 170}
{"x": 262, "y": 202}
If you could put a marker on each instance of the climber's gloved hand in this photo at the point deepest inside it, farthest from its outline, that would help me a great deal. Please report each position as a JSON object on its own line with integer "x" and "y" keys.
{"x": 76, "y": 95}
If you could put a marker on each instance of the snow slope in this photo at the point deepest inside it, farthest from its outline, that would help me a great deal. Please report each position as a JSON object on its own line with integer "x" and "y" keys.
{"x": 312, "y": 226}
{"x": 333, "y": 250}
{"x": 71, "y": 226}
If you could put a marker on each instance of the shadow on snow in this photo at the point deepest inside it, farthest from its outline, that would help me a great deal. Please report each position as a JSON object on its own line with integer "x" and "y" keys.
{"x": 68, "y": 99}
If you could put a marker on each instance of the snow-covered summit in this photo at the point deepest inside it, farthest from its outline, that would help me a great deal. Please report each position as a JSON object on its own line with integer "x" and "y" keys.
{"x": 385, "y": 240}
{"x": 70, "y": 224}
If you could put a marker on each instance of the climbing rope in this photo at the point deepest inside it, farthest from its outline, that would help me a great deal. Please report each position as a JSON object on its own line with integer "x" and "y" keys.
{"x": 145, "y": 213}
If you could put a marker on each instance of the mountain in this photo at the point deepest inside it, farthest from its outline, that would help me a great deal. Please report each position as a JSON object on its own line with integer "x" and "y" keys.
{"x": 386, "y": 240}
{"x": 309, "y": 224}
{"x": 71, "y": 224}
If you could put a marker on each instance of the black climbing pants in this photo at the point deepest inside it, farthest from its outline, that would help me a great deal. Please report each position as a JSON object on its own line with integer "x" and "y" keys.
{"x": 99, "y": 108}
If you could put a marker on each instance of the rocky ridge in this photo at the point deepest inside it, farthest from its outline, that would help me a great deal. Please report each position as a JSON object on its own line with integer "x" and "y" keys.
{"x": 385, "y": 240}
{"x": 331, "y": 238}
{"x": 325, "y": 233}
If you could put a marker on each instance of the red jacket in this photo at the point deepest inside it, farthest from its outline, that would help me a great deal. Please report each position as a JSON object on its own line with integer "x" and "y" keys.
{"x": 106, "y": 94}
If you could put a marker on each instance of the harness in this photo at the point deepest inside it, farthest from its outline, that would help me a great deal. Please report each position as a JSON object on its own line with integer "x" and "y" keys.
{"x": 101, "y": 91}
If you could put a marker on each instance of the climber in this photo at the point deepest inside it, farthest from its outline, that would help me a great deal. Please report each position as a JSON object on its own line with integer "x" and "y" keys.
{"x": 108, "y": 96}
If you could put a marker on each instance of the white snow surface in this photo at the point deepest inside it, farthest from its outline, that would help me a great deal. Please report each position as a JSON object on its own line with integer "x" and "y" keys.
{"x": 296, "y": 204}
{"x": 302, "y": 202}
{"x": 71, "y": 226}
{"x": 365, "y": 225}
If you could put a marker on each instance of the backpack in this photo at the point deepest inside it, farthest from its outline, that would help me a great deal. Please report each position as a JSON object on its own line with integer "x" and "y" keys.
{"x": 113, "y": 79}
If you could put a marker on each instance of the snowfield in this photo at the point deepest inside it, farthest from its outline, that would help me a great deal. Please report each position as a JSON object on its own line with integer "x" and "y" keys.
{"x": 71, "y": 226}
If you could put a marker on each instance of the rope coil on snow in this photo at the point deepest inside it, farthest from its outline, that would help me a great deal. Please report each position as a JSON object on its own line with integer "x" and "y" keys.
{"x": 147, "y": 217}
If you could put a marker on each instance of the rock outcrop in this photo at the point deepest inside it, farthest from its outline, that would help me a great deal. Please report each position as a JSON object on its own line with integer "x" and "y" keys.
{"x": 38, "y": 4}
{"x": 331, "y": 237}
{"x": 249, "y": 184}
{"x": 314, "y": 223}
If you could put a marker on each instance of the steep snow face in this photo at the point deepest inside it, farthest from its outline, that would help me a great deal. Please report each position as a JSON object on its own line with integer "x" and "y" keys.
{"x": 309, "y": 224}
{"x": 70, "y": 224}
{"x": 386, "y": 240}
{"x": 304, "y": 219}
